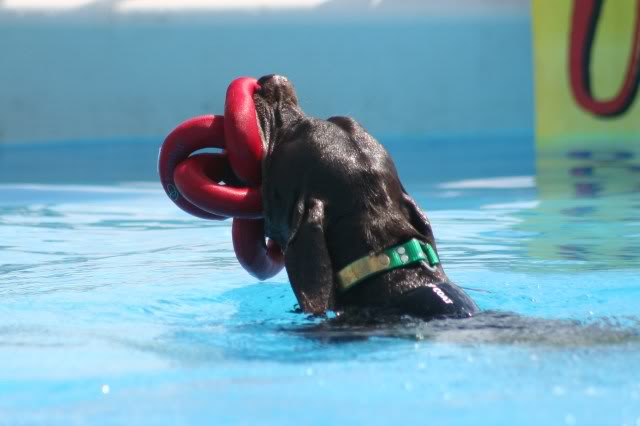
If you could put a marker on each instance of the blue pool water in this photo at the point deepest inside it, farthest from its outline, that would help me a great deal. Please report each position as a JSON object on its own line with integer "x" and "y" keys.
{"x": 118, "y": 308}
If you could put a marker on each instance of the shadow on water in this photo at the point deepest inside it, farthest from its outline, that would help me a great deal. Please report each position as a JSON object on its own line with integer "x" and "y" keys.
{"x": 488, "y": 327}
{"x": 266, "y": 327}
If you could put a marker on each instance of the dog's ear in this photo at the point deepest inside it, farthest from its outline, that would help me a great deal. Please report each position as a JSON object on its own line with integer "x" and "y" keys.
{"x": 418, "y": 218}
{"x": 307, "y": 260}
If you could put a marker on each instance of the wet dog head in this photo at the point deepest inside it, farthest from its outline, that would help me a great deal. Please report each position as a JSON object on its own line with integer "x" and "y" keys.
{"x": 276, "y": 104}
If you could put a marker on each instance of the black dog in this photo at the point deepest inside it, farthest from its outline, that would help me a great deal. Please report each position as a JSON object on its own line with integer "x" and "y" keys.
{"x": 332, "y": 196}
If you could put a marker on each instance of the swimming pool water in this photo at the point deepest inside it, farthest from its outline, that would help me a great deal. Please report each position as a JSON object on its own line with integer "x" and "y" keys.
{"x": 118, "y": 308}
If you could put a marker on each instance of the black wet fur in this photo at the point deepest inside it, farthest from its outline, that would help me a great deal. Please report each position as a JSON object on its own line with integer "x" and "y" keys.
{"x": 331, "y": 195}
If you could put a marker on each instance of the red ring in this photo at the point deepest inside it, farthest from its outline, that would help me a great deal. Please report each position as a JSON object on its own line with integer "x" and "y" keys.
{"x": 196, "y": 133}
{"x": 245, "y": 149}
{"x": 198, "y": 180}
{"x": 244, "y": 143}
{"x": 260, "y": 259}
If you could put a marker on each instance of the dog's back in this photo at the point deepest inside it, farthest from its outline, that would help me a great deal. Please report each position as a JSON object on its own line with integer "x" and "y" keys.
{"x": 331, "y": 196}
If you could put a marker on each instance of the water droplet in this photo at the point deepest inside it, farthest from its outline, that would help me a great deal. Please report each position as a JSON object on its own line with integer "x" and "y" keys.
{"x": 534, "y": 357}
{"x": 421, "y": 366}
{"x": 470, "y": 358}
{"x": 105, "y": 389}
{"x": 591, "y": 391}
{"x": 638, "y": 421}
{"x": 309, "y": 372}
{"x": 570, "y": 419}
{"x": 559, "y": 390}
{"x": 408, "y": 386}
{"x": 446, "y": 396}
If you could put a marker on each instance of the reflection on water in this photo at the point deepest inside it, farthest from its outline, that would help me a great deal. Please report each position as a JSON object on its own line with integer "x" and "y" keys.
{"x": 598, "y": 232}
{"x": 589, "y": 210}
{"x": 583, "y": 214}
{"x": 588, "y": 173}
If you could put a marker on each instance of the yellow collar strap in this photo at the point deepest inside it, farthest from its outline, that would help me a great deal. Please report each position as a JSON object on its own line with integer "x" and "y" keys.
{"x": 400, "y": 256}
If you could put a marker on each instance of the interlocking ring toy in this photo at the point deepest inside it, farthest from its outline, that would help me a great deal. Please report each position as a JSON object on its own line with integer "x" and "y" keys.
{"x": 194, "y": 181}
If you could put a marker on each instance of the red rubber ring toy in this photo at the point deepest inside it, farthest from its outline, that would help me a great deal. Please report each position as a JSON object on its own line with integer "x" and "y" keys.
{"x": 198, "y": 180}
{"x": 244, "y": 146}
{"x": 242, "y": 134}
{"x": 194, "y": 134}
{"x": 260, "y": 259}
{"x": 193, "y": 181}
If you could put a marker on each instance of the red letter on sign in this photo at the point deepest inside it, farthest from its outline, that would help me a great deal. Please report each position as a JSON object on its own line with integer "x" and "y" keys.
{"x": 583, "y": 28}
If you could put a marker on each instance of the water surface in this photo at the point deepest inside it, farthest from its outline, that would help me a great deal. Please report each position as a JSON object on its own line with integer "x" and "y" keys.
{"x": 118, "y": 308}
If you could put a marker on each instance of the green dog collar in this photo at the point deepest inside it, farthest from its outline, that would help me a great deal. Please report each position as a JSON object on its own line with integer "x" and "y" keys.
{"x": 400, "y": 256}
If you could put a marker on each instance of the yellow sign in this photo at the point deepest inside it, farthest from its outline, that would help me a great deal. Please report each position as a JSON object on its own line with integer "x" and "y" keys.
{"x": 587, "y": 69}
{"x": 586, "y": 43}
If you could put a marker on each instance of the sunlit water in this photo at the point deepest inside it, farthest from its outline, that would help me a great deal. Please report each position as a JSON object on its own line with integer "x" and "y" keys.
{"x": 117, "y": 308}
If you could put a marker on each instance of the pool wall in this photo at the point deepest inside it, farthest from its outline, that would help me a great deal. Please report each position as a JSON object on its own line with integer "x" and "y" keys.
{"x": 103, "y": 75}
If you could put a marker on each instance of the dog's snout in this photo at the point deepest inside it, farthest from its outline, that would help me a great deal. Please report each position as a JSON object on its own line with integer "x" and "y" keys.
{"x": 272, "y": 78}
{"x": 276, "y": 88}
{"x": 264, "y": 79}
